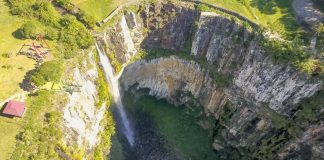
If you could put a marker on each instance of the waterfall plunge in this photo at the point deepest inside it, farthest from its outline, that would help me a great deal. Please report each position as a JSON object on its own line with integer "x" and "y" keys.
{"x": 113, "y": 81}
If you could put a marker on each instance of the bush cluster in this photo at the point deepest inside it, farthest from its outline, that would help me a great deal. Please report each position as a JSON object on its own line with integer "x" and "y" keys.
{"x": 41, "y": 131}
{"x": 88, "y": 20}
{"x": 29, "y": 30}
{"x": 50, "y": 71}
{"x": 67, "y": 30}
{"x": 73, "y": 36}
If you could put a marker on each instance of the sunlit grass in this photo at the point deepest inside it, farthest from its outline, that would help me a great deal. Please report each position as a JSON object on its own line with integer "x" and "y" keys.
{"x": 279, "y": 17}
{"x": 100, "y": 9}
{"x": 12, "y": 69}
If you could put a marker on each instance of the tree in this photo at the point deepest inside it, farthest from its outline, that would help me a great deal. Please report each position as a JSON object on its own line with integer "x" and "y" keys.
{"x": 22, "y": 8}
{"x": 50, "y": 71}
{"x": 87, "y": 19}
{"x": 46, "y": 13}
{"x": 74, "y": 35}
{"x": 51, "y": 34}
{"x": 28, "y": 30}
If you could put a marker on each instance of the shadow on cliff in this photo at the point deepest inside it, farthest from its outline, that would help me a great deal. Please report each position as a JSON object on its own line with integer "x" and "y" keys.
{"x": 170, "y": 33}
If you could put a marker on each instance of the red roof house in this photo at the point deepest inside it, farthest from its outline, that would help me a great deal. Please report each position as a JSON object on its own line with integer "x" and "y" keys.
{"x": 14, "y": 108}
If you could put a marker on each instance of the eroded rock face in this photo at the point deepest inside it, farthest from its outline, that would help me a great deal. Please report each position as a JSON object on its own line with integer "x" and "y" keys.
{"x": 259, "y": 91}
{"x": 307, "y": 13}
{"x": 170, "y": 77}
{"x": 255, "y": 74}
{"x": 309, "y": 145}
{"x": 123, "y": 38}
{"x": 81, "y": 116}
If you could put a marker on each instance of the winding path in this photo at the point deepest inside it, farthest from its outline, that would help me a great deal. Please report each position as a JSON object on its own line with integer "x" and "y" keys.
{"x": 239, "y": 16}
{"x": 116, "y": 10}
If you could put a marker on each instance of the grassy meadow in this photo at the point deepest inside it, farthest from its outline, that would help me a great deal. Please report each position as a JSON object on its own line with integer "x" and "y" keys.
{"x": 277, "y": 15}
{"x": 13, "y": 68}
{"x": 12, "y": 72}
{"x": 100, "y": 9}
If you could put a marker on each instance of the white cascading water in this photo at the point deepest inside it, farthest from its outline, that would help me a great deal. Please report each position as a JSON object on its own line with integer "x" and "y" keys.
{"x": 113, "y": 81}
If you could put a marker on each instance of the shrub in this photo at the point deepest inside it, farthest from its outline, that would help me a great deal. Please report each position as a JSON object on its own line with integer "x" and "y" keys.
{"x": 310, "y": 109}
{"x": 73, "y": 36}
{"x": 41, "y": 131}
{"x": 285, "y": 52}
{"x": 115, "y": 63}
{"x": 29, "y": 30}
{"x": 48, "y": 71}
{"x": 46, "y": 13}
{"x": 67, "y": 44}
{"x": 66, "y": 4}
{"x": 51, "y": 34}
{"x": 21, "y": 7}
{"x": 308, "y": 65}
{"x": 87, "y": 19}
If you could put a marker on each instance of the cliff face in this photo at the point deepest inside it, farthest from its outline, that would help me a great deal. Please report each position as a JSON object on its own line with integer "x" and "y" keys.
{"x": 232, "y": 50}
{"x": 81, "y": 116}
{"x": 256, "y": 108}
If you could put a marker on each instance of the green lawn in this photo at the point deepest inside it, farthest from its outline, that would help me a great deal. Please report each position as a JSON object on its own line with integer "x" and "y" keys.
{"x": 9, "y": 129}
{"x": 12, "y": 72}
{"x": 277, "y": 15}
{"x": 100, "y": 9}
{"x": 13, "y": 69}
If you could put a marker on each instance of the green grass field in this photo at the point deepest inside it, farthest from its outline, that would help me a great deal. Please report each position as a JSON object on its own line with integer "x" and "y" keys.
{"x": 9, "y": 129}
{"x": 12, "y": 72}
{"x": 277, "y": 16}
{"x": 13, "y": 69}
{"x": 100, "y": 9}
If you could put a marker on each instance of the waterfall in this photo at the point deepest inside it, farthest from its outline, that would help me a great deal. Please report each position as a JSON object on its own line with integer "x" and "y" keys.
{"x": 113, "y": 81}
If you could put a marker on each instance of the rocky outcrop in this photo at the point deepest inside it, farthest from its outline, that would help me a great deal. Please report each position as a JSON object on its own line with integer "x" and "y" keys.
{"x": 255, "y": 109}
{"x": 169, "y": 26}
{"x": 309, "y": 145}
{"x": 158, "y": 25}
{"x": 256, "y": 76}
{"x": 172, "y": 78}
{"x": 123, "y": 38}
{"x": 307, "y": 13}
{"x": 81, "y": 116}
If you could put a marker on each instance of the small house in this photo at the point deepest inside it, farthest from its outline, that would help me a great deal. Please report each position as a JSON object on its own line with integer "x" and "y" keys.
{"x": 14, "y": 108}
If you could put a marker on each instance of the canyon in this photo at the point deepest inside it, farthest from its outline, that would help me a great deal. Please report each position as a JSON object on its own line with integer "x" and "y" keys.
{"x": 218, "y": 64}
{"x": 257, "y": 90}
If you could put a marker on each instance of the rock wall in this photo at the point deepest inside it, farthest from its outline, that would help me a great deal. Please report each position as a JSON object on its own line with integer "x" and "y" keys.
{"x": 260, "y": 93}
{"x": 81, "y": 116}
{"x": 256, "y": 76}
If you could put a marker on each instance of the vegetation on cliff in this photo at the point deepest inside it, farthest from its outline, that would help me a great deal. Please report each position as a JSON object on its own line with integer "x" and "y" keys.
{"x": 291, "y": 48}
{"x": 50, "y": 71}
{"x": 41, "y": 134}
{"x": 67, "y": 35}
